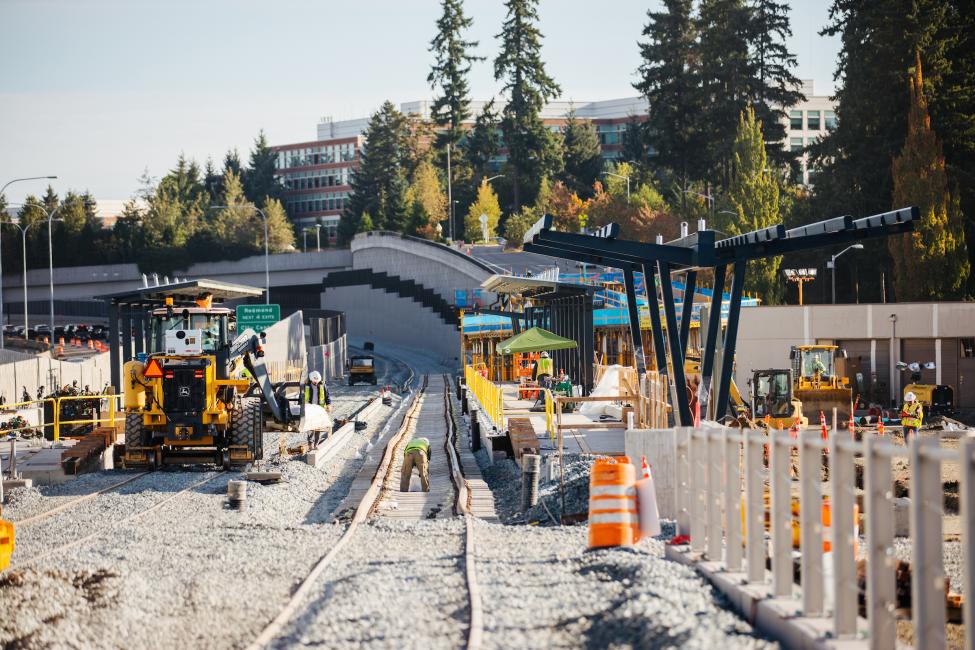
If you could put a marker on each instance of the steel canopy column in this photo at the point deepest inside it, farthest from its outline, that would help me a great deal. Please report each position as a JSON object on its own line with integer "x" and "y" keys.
{"x": 687, "y": 309}
{"x": 730, "y": 339}
{"x": 114, "y": 345}
{"x": 683, "y": 411}
{"x": 588, "y": 354}
{"x": 633, "y": 310}
{"x": 656, "y": 328}
{"x": 714, "y": 328}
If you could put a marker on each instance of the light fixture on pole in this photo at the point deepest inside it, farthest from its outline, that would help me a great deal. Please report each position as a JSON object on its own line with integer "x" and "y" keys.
{"x": 488, "y": 180}
{"x": 5, "y": 185}
{"x": 831, "y": 264}
{"x": 800, "y": 277}
{"x": 318, "y": 237}
{"x": 626, "y": 178}
{"x": 23, "y": 232}
{"x": 267, "y": 266}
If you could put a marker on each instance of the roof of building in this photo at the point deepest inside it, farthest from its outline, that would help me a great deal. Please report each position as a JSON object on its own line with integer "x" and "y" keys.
{"x": 534, "y": 287}
{"x": 186, "y": 290}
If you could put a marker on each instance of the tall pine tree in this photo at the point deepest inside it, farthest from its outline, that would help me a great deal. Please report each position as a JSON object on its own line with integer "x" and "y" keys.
{"x": 776, "y": 87}
{"x": 528, "y": 87}
{"x": 448, "y": 76}
{"x": 379, "y": 186}
{"x": 754, "y": 196}
{"x": 259, "y": 179}
{"x": 669, "y": 80}
{"x": 583, "y": 159}
{"x": 931, "y": 262}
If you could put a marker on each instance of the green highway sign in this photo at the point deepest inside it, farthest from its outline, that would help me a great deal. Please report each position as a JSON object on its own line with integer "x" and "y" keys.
{"x": 257, "y": 317}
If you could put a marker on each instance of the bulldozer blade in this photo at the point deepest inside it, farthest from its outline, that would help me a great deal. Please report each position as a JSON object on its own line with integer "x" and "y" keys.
{"x": 825, "y": 400}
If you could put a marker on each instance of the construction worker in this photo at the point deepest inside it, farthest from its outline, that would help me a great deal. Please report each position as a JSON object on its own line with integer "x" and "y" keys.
{"x": 315, "y": 391}
{"x": 417, "y": 453}
{"x": 911, "y": 415}
{"x": 545, "y": 371}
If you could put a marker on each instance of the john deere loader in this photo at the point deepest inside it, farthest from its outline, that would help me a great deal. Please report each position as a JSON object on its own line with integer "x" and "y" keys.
{"x": 818, "y": 385}
{"x": 189, "y": 400}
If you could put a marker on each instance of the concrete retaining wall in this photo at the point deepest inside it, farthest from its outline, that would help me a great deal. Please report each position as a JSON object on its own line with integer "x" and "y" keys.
{"x": 373, "y": 314}
{"x": 659, "y": 446}
{"x": 94, "y": 372}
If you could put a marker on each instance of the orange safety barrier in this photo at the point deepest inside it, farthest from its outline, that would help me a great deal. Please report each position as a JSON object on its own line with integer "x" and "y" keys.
{"x": 6, "y": 543}
{"x": 613, "y": 516}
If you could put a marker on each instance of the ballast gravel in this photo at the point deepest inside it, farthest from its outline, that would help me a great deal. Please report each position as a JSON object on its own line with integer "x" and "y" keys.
{"x": 193, "y": 573}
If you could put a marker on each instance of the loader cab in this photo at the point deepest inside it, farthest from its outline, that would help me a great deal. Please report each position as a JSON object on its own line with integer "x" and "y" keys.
{"x": 189, "y": 330}
{"x": 772, "y": 394}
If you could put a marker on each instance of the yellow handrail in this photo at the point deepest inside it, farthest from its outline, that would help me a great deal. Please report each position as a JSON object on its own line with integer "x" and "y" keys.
{"x": 488, "y": 394}
{"x": 96, "y": 421}
{"x": 16, "y": 406}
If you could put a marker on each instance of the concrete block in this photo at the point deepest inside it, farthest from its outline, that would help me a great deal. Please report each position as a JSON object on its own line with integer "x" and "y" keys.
{"x": 659, "y": 446}
{"x": 902, "y": 520}
{"x": 11, "y": 483}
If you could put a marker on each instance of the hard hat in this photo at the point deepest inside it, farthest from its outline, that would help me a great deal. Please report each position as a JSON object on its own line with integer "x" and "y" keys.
{"x": 544, "y": 355}
{"x": 426, "y": 440}
{"x": 910, "y": 397}
{"x": 314, "y": 376}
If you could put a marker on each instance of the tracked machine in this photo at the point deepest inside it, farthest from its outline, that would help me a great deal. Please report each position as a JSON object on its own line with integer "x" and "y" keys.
{"x": 198, "y": 395}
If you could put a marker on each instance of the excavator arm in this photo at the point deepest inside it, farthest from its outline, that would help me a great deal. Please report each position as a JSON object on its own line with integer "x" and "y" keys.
{"x": 248, "y": 346}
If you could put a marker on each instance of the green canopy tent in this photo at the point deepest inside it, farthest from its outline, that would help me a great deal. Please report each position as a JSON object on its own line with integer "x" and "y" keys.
{"x": 535, "y": 339}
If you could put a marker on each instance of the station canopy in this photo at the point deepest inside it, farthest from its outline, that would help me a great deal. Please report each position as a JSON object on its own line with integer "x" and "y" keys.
{"x": 535, "y": 339}
{"x": 534, "y": 287}
{"x": 185, "y": 291}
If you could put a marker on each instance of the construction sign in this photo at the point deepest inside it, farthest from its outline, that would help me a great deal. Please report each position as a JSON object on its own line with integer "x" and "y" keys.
{"x": 257, "y": 317}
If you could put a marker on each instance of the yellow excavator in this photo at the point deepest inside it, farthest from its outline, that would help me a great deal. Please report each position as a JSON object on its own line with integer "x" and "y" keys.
{"x": 818, "y": 386}
{"x": 773, "y": 403}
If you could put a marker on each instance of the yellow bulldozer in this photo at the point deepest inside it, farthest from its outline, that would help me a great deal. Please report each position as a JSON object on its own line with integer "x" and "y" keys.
{"x": 817, "y": 383}
{"x": 188, "y": 400}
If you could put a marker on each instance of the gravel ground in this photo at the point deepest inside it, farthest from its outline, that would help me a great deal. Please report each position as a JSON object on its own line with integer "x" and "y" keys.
{"x": 237, "y": 567}
{"x": 397, "y": 585}
{"x": 28, "y": 502}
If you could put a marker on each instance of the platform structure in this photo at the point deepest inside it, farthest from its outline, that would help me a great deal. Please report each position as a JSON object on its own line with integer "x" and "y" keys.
{"x": 686, "y": 256}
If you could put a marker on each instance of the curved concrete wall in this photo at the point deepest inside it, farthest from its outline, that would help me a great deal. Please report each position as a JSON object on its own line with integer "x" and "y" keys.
{"x": 433, "y": 265}
{"x": 374, "y": 314}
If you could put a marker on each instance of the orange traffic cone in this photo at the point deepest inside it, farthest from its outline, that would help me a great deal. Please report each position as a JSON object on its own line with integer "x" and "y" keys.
{"x": 794, "y": 429}
{"x": 880, "y": 426}
{"x": 61, "y": 341}
{"x": 644, "y": 469}
{"x": 91, "y": 344}
{"x": 822, "y": 425}
{"x": 646, "y": 499}
{"x": 613, "y": 515}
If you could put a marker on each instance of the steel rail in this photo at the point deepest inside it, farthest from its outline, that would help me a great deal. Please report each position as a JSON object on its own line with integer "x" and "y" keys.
{"x": 75, "y": 502}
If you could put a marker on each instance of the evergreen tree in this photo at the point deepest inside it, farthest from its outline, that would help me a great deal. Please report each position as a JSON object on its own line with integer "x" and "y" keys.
{"x": 777, "y": 88}
{"x": 583, "y": 160}
{"x": 727, "y": 81}
{"x": 486, "y": 203}
{"x": 528, "y": 87}
{"x": 635, "y": 142}
{"x": 483, "y": 141}
{"x": 931, "y": 262}
{"x": 448, "y": 76}
{"x": 669, "y": 79}
{"x": 379, "y": 186}
{"x": 259, "y": 179}
{"x": 754, "y": 195}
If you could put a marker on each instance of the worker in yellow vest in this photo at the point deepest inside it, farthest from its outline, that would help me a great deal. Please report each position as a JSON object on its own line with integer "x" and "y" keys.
{"x": 416, "y": 454}
{"x": 545, "y": 371}
{"x": 315, "y": 391}
{"x": 912, "y": 415}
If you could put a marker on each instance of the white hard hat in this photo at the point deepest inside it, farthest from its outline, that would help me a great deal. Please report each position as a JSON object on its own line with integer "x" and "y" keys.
{"x": 314, "y": 376}
{"x": 545, "y": 355}
{"x": 910, "y": 397}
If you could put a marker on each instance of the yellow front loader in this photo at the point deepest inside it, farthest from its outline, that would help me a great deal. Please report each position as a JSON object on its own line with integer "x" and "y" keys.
{"x": 818, "y": 385}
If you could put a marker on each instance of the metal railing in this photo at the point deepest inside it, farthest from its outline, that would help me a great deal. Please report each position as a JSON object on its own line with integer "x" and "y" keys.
{"x": 488, "y": 394}
{"x": 720, "y": 471}
{"x": 56, "y": 422}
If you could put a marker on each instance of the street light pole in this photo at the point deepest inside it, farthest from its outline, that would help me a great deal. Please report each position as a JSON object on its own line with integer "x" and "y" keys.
{"x": 267, "y": 267}
{"x": 626, "y": 178}
{"x": 832, "y": 265}
{"x": 50, "y": 264}
{"x": 23, "y": 232}
{"x": 318, "y": 237}
{"x": 5, "y": 185}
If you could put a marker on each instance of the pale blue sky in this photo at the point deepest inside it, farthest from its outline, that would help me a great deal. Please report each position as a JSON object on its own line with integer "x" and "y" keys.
{"x": 95, "y": 91}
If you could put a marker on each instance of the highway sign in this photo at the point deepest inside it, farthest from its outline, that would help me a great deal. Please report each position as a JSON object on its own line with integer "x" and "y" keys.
{"x": 257, "y": 317}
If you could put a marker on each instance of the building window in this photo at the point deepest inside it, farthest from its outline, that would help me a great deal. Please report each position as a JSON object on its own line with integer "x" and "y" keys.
{"x": 811, "y": 175}
{"x": 812, "y": 120}
{"x": 795, "y": 145}
{"x": 795, "y": 120}
{"x": 830, "y": 120}
{"x": 966, "y": 348}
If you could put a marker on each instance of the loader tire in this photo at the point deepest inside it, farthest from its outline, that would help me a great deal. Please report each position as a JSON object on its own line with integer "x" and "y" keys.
{"x": 247, "y": 427}
{"x": 133, "y": 430}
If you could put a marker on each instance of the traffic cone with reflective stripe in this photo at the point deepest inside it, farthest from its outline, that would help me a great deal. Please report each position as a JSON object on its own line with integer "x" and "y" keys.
{"x": 613, "y": 515}
{"x": 880, "y": 426}
{"x": 646, "y": 499}
{"x": 794, "y": 429}
{"x": 822, "y": 425}
{"x": 644, "y": 469}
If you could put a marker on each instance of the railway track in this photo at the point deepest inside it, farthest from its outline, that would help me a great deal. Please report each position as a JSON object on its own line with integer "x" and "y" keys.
{"x": 26, "y": 521}
{"x": 429, "y": 413}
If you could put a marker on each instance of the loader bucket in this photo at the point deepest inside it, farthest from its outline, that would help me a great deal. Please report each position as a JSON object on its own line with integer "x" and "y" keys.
{"x": 825, "y": 400}
{"x": 6, "y": 543}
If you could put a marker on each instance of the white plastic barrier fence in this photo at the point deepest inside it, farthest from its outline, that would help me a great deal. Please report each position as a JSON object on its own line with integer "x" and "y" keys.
{"x": 720, "y": 470}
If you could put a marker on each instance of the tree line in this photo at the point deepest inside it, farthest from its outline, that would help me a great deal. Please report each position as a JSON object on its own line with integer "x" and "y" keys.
{"x": 170, "y": 224}
{"x": 720, "y": 81}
